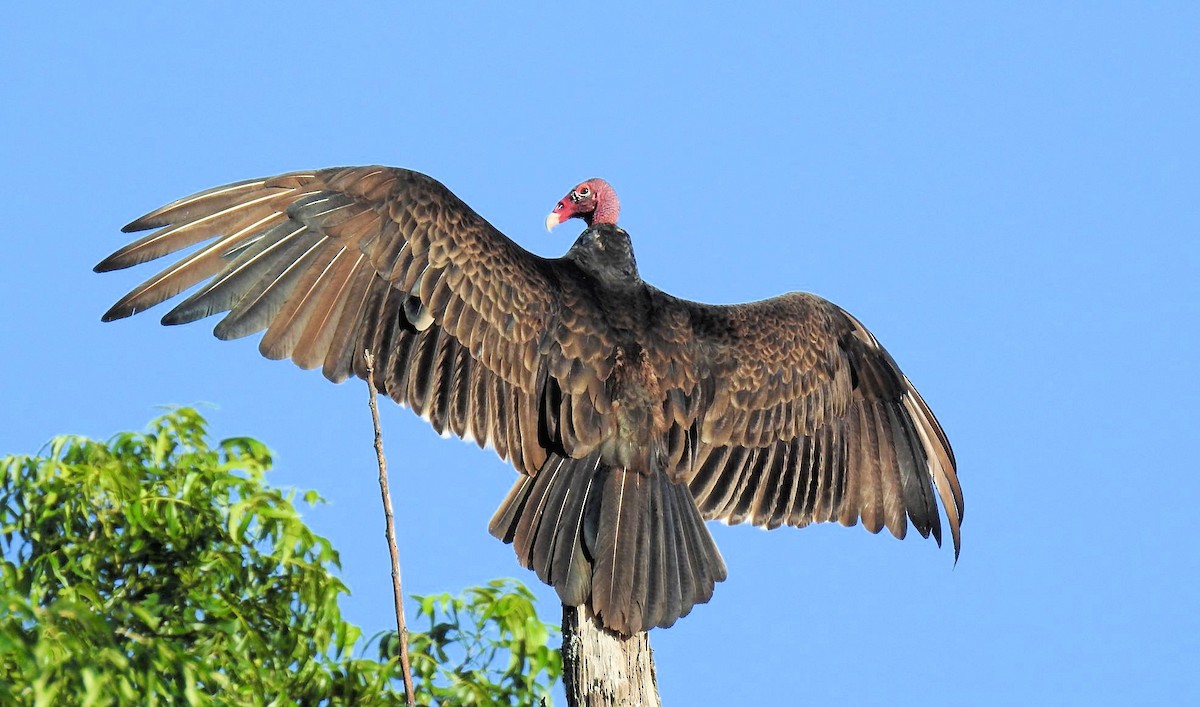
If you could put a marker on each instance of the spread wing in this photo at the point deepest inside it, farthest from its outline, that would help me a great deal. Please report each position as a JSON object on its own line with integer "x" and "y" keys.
{"x": 798, "y": 415}
{"x": 482, "y": 338}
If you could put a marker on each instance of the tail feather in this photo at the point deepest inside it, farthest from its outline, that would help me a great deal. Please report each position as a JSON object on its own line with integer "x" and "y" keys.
{"x": 562, "y": 559}
{"x": 504, "y": 522}
{"x": 621, "y": 544}
{"x": 657, "y": 559}
{"x": 548, "y": 530}
{"x": 675, "y": 561}
{"x": 632, "y": 546}
{"x": 685, "y": 556}
{"x": 704, "y": 557}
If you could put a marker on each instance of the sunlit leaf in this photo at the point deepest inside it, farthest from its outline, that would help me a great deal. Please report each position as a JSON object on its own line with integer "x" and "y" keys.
{"x": 160, "y": 568}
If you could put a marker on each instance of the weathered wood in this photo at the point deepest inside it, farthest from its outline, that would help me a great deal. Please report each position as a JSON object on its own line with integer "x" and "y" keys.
{"x": 605, "y": 669}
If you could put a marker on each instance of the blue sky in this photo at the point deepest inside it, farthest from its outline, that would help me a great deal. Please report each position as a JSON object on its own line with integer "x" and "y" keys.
{"x": 1007, "y": 196}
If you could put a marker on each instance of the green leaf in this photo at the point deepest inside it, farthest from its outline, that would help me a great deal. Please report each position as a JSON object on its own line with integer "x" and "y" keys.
{"x": 160, "y": 568}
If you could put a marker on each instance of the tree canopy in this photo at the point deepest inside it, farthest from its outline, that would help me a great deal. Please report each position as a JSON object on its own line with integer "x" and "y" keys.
{"x": 161, "y": 568}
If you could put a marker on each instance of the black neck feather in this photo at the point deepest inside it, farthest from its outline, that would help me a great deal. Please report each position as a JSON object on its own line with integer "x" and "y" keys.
{"x": 606, "y": 253}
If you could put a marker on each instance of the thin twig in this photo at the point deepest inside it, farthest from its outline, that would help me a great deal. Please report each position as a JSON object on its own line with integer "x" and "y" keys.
{"x": 390, "y": 532}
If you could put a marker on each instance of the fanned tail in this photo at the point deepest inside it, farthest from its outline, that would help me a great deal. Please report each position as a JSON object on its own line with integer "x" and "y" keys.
{"x": 632, "y": 546}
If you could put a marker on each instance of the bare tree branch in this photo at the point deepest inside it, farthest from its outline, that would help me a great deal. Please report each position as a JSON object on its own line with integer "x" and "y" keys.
{"x": 390, "y": 532}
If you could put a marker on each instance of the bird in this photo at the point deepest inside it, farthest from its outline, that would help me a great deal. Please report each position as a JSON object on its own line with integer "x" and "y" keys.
{"x": 632, "y": 416}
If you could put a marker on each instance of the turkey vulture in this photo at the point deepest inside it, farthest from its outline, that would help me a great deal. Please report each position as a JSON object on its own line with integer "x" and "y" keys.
{"x": 632, "y": 416}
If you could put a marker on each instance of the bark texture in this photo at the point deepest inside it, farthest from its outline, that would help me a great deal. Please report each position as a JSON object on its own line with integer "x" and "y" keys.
{"x": 605, "y": 669}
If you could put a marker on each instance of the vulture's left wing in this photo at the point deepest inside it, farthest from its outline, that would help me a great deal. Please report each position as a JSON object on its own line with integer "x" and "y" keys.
{"x": 806, "y": 418}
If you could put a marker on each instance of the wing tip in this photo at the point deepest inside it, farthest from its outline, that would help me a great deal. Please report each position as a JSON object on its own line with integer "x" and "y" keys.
{"x": 112, "y": 262}
{"x": 156, "y": 219}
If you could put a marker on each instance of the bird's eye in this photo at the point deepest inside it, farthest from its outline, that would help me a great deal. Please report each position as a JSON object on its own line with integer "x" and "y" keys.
{"x": 584, "y": 191}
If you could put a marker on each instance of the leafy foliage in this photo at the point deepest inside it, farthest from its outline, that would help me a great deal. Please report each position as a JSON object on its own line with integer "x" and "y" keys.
{"x": 160, "y": 569}
{"x": 455, "y": 661}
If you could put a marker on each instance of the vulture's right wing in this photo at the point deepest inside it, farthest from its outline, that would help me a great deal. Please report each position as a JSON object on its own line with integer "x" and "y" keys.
{"x": 464, "y": 323}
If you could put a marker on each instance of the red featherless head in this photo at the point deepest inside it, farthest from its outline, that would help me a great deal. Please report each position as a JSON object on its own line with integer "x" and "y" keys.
{"x": 594, "y": 201}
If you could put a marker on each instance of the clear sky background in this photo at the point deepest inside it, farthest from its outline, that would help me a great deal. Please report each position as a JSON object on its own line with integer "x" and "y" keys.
{"x": 1006, "y": 195}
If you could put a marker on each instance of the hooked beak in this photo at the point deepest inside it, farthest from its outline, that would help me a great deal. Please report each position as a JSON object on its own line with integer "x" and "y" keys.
{"x": 553, "y": 220}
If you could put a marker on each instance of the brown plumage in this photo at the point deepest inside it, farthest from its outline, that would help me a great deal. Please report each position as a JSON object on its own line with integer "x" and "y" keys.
{"x": 632, "y": 415}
